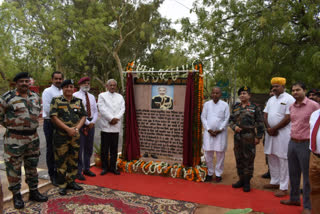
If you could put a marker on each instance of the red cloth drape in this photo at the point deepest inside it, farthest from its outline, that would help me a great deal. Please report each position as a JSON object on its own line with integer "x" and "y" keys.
{"x": 187, "y": 124}
{"x": 132, "y": 144}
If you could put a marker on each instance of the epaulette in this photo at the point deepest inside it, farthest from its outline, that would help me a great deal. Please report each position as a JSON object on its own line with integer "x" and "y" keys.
{"x": 237, "y": 104}
{"x": 8, "y": 95}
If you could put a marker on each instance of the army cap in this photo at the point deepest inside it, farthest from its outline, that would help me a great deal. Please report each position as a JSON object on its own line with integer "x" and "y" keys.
{"x": 244, "y": 88}
{"x": 21, "y": 75}
{"x": 83, "y": 79}
{"x": 67, "y": 82}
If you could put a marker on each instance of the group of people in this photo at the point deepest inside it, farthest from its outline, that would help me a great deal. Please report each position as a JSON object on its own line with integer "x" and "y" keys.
{"x": 288, "y": 123}
{"x": 290, "y": 126}
{"x": 69, "y": 127}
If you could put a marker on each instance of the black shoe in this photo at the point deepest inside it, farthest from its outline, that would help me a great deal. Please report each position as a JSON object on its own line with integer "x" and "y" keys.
{"x": 80, "y": 177}
{"x": 34, "y": 195}
{"x": 116, "y": 172}
{"x": 266, "y": 175}
{"x": 53, "y": 181}
{"x": 63, "y": 191}
{"x": 105, "y": 171}
{"x": 145, "y": 155}
{"x": 154, "y": 156}
{"x": 74, "y": 186}
{"x": 89, "y": 173}
{"x": 17, "y": 201}
{"x": 208, "y": 178}
{"x": 246, "y": 183}
{"x": 218, "y": 179}
{"x": 238, "y": 184}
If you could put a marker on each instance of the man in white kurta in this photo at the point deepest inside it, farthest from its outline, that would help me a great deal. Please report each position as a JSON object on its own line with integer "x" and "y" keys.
{"x": 277, "y": 121}
{"x": 111, "y": 106}
{"x": 215, "y": 117}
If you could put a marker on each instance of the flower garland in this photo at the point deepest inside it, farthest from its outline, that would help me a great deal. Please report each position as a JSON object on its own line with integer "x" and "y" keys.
{"x": 197, "y": 173}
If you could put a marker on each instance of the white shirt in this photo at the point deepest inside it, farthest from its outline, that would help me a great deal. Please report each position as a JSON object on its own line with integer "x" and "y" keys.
{"x": 93, "y": 105}
{"x": 313, "y": 118}
{"x": 47, "y": 96}
{"x": 215, "y": 116}
{"x": 277, "y": 108}
{"x": 110, "y": 105}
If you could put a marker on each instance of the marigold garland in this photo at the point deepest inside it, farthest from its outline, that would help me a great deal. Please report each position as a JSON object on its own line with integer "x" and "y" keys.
{"x": 197, "y": 173}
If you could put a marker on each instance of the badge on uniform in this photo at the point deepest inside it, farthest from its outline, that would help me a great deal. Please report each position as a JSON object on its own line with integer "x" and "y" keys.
{"x": 282, "y": 103}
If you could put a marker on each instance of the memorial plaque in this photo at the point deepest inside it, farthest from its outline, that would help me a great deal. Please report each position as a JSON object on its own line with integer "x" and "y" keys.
{"x": 160, "y": 115}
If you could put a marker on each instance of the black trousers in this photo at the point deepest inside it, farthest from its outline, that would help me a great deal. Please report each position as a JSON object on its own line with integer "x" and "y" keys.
{"x": 48, "y": 132}
{"x": 109, "y": 145}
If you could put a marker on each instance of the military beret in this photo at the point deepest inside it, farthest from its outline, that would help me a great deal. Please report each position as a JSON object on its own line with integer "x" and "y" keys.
{"x": 278, "y": 80}
{"x": 83, "y": 79}
{"x": 244, "y": 88}
{"x": 312, "y": 91}
{"x": 67, "y": 82}
{"x": 21, "y": 75}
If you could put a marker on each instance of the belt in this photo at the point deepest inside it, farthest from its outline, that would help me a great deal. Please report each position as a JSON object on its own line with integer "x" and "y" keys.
{"x": 299, "y": 141}
{"x": 316, "y": 154}
{"x": 22, "y": 132}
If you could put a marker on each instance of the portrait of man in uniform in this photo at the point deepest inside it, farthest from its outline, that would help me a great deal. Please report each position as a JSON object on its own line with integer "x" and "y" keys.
{"x": 162, "y": 97}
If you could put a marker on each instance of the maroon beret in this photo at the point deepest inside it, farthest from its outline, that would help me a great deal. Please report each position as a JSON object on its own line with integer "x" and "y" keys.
{"x": 83, "y": 79}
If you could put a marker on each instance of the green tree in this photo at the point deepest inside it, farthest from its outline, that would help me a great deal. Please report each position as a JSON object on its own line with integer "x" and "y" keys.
{"x": 255, "y": 40}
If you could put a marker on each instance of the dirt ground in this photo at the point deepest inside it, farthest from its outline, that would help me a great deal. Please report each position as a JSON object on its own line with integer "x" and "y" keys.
{"x": 229, "y": 176}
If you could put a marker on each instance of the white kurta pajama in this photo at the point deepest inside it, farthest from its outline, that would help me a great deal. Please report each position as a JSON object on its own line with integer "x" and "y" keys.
{"x": 215, "y": 116}
{"x": 276, "y": 147}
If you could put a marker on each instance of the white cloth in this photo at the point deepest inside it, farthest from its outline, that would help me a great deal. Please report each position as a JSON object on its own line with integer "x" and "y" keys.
{"x": 215, "y": 116}
{"x": 47, "y": 96}
{"x": 208, "y": 155}
{"x": 93, "y": 105}
{"x": 277, "y": 108}
{"x": 279, "y": 171}
{"x": 313, "y": 119}
{"x": 110, "y": 105}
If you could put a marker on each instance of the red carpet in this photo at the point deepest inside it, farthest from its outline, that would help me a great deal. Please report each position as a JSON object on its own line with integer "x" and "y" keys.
{"x": 202, "y": 193}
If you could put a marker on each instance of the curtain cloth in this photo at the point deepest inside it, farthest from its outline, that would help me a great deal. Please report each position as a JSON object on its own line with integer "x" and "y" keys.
{"x": 188, "y": 122}
{"x": 132, "y": 144}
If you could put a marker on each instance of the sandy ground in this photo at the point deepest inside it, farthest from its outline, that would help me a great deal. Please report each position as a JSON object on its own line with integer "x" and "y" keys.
{"x": 229, "y": 176}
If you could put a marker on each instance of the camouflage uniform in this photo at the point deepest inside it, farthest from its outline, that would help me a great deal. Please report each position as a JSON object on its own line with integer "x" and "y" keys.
{"x": 21, "y": 142}
{"x": 66, "y": 148}
{"x": 250, "y": 119}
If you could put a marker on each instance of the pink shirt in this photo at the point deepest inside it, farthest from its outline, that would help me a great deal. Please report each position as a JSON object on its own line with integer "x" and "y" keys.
{"x": 300, "y": 116}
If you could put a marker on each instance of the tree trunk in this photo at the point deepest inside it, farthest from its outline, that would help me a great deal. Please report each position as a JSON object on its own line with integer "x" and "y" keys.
{"x": 118, "y": 61}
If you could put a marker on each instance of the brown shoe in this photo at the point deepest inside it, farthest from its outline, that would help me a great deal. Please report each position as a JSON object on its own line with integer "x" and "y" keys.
{"x": 271, "y": 186}
{"x": 306, "y": 211}
{"x": 280, "y": 193}
{"x": 290, "y": 203}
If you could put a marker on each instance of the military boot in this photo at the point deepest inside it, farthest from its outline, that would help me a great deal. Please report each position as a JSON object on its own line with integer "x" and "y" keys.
{"x": 239, "y": 183}
{"x": 17, "y": 201}
{"x": 34, "y": 195}
{"x": 246, "y": 186}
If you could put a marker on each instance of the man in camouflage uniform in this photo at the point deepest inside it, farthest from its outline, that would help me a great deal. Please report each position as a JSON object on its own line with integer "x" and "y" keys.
{"x": 19, "y": 112}
{"x": 246, "y": 121}
{"x": 68, "y": 114}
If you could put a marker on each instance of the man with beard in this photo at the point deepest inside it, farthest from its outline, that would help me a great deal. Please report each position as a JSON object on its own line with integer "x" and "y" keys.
{"x": 87, "y": 131}
{"x": 68, "y": 114}
{"x": 277, "y": 137}
{"x": 215, "y": 117}
{"x": 53, "y": 91}
{"x": 19, "y": 113}
{"x": 298, "y": 149}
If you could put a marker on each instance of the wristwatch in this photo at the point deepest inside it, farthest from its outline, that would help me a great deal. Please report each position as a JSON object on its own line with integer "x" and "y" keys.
{"x": 76, "y": 129}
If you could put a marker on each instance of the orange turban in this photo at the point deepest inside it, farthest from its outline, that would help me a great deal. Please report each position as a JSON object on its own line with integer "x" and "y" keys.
{"x": 278, "y": 80}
